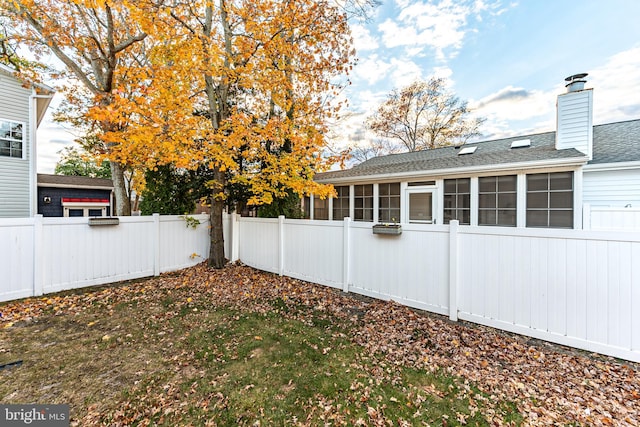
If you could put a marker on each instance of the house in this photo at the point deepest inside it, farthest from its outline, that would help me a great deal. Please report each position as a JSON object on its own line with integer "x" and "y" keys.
{"x": 541, "y": 180}
{"x": 60, "y": 195}
{"x": 22, "y": 107}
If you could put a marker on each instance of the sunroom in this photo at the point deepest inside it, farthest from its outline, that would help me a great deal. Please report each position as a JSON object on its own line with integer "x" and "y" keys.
{"x": 511, "y": 182}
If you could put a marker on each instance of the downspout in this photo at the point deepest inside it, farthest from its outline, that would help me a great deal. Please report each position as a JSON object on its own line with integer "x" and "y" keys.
{"x": 33, "y": 153}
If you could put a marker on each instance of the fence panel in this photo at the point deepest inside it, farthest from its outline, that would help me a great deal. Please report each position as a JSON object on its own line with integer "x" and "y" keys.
{"x": 258, "y": 243}
{"x": 314, "y": 251}
{"x": 571, "y": 287}
{"x": 411, "y": 268}
{"x": 182, "y": 246}
{"x": 41, "y": 255}
{"x": 76, "y": 255}
{"x": 16, "y": 258}
{"x": 618, "y": 219}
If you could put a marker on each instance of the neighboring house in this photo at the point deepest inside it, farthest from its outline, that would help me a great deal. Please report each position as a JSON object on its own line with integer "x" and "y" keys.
{"x": 22, "y": 107}
{"x": 60, "y": 195}
{"x": 540, "y": 180}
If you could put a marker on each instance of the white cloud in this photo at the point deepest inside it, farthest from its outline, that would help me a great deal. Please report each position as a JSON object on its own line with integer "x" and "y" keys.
{"x": 372, "y": 69}
{"x": 615, "y": 84}
{"x": 394, "y": 35}
{"x": 441, "y": 25}
{"x": 51, "y": 138}
{"x": 514, "y": 110}
{"x": 404, "y": 72}
{"x": 362, "y": 39}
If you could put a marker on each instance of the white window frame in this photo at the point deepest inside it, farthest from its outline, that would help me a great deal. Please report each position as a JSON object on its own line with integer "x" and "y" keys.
{"x": 23, "y": 142}
{"x": 435, "y": 202}
{"x": 85, "y": 206}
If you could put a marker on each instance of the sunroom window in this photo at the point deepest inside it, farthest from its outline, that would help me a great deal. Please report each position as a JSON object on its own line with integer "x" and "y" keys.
{"x": 363, "y": 202}
{"x": 389, "y": 202}
{"x": 341, "y": 203}
{"x": 550, "y": 200}
{"x": 320, "y": 208}
{"x": 497, "y": 200}
{"x": 457, "y": 200}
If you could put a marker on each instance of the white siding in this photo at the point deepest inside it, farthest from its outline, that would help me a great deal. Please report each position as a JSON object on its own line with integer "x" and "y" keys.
{"x": 14, "y": 173}
{"x": 575, "y": 127}
{"x": 615, "y": 188}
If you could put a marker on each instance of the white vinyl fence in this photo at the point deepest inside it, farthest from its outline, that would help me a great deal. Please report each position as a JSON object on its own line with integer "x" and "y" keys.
{"x": 573, "y": 287}
{"x": 41, "y": 255}
{"x": 606, "y": 218}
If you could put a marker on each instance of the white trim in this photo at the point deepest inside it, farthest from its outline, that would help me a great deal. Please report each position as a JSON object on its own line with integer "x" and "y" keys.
{"x": 434, "y": 204}
{"x": 611, "y": 166}
{"x": 474, "y": 189}
{"x": 497, "y": 169}
{"x": 85, "y": 204}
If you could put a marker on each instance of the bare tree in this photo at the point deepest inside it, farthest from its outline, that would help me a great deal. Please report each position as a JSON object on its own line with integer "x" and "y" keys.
{"x": 425, "y": 115}
{"x": 376, "y": 148}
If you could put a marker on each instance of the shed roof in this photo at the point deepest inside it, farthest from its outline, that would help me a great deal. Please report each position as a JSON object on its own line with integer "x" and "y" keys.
{"x": 614, "y": 142}
{"x": 64, "y": 181}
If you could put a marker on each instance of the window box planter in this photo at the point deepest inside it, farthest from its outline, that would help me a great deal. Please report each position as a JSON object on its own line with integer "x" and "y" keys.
{"x": 104, "y": 221}
{"x": 389, "y": 229}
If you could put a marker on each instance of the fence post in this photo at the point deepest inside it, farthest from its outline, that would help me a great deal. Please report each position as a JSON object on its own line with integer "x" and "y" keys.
{"x": 281, "y": 245}
{"x": 38, "y": 262}
{"x": 155, "y": 239}
{"x": 235, "y": 237}
{"x": 453, "y": 270}
{"x": 346, "y": 247}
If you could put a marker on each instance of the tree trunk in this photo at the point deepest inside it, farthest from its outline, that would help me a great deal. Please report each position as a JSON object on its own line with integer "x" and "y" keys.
{"x": 216, "y": 250}
{"x": 123, "y": 204}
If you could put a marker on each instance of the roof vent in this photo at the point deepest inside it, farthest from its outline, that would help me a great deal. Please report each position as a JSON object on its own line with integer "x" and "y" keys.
{"x": 467, "y": 150}
{"x": 576, "y": 82}
{"x": 521, "y": 143}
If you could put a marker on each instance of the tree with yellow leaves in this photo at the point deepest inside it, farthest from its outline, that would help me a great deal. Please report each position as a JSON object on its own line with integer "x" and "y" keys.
{"x": 263, "y": 76}
{"x": 244, "y": 87}
{"x": 99, "y": 43}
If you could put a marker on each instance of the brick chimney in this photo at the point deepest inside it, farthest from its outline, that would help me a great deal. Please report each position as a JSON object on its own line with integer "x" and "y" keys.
{"x": 575, "y": 116}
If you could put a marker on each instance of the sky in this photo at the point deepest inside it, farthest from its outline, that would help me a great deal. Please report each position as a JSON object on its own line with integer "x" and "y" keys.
{"x": 507, "y": 59}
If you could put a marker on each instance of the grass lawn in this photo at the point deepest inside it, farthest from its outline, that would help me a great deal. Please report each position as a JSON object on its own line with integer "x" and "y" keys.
{"x": 241, "y": 347}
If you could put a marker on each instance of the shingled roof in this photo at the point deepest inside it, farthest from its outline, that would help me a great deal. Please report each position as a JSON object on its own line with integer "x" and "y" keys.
{"x": 614, "y": 142}
{"x": 64, "y": 181}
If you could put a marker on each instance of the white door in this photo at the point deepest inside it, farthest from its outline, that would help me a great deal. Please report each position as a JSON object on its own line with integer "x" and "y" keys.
{"x": 421, "y": 206}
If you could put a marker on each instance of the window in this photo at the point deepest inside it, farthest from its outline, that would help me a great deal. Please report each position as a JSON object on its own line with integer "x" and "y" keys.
{"x": 341, "y": 203}
{"x": 421, "y": 207}
{"x": 11, "y": 139}
{"x": 550, "y": 200}
{"x": 363, "y": 202}
{"x": 320, "y": 208}
{"x": 84, "y": 207}
{"x": 389, "y": 202}
{"x": 497, "y": 200}
{"x": 457, "y": 200}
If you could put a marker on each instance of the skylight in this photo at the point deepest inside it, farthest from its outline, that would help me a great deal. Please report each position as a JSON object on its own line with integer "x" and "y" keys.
{"x": 467, "y": 150}
{"x": 521, "y": 143}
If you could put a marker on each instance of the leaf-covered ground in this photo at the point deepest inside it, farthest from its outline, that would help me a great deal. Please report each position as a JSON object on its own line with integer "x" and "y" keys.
{"x": 243, "y": 347}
